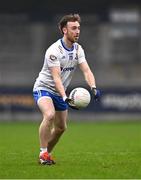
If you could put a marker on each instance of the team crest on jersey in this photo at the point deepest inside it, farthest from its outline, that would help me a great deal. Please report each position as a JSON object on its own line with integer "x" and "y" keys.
{"x": 52, "y": 57}
{"x": 76, "y": 46}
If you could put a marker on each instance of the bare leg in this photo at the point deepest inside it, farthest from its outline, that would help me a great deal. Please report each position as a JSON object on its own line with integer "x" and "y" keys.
{"x": 47, "y": 108}
{"x": 58, "y": 129}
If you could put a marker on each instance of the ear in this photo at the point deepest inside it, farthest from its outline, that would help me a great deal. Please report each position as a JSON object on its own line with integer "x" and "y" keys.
{"x": 64, "y": 30}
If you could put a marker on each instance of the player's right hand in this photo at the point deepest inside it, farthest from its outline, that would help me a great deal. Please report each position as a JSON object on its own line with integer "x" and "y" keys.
{"x": 70, "y": 103}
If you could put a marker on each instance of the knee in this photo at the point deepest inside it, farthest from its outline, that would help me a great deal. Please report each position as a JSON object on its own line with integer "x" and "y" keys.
{"x": 60, "y": 130}
{"x": 49, "y": 116}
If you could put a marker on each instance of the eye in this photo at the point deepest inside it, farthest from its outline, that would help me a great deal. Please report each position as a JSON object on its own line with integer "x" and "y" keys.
{"x": 74, "y": 27}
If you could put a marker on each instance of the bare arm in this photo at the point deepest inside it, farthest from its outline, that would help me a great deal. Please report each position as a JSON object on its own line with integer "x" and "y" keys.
{"x": 90, "y": 79}
{"x": 56, "y": 74}
{"x": 88, "y": 75}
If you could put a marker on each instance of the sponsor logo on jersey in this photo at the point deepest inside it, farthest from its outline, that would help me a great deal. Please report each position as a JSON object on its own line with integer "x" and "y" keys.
{"x": 52, "y": 57}
{"x": 67, "y": 69}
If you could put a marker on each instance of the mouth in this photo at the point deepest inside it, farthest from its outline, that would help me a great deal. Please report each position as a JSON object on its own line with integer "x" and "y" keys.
{"x": 76, "y": 37}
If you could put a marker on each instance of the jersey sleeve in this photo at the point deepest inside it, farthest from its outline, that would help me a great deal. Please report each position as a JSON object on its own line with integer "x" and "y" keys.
{"x": 81, "y": 55}
{"x": 52, "y": 57}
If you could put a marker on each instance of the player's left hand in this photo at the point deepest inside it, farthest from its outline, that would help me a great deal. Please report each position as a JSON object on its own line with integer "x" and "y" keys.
{"x": 96, "y": 93}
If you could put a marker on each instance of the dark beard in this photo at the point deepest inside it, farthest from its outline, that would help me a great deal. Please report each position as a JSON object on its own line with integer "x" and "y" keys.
{"x": 72, "y": 40}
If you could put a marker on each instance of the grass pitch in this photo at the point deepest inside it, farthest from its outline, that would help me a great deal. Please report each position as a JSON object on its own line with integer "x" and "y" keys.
{"x": 86, "y": 150}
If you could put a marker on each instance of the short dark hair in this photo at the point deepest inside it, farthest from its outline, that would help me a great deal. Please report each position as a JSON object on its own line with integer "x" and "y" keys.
{"x": 68, "y": 18}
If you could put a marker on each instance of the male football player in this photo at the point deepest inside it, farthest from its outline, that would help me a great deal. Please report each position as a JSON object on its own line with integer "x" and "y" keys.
{"x": 60, "y": 62}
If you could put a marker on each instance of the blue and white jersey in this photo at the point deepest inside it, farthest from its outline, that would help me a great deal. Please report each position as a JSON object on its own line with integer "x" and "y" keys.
{"x": 58, "y": 55}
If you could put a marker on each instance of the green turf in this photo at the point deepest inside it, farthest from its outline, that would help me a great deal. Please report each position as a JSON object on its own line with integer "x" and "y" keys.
{"x": 86, "y": 150}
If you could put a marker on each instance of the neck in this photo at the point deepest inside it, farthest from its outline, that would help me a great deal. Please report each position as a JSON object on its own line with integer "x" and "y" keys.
{"x": 68, "y": 43}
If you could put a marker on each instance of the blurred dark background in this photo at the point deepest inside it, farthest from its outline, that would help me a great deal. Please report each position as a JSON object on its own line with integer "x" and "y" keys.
{"x": 110, "y": 35}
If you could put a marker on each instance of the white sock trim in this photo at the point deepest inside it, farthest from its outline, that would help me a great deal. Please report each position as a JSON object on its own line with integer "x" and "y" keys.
{"x": 42, "y": 150}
